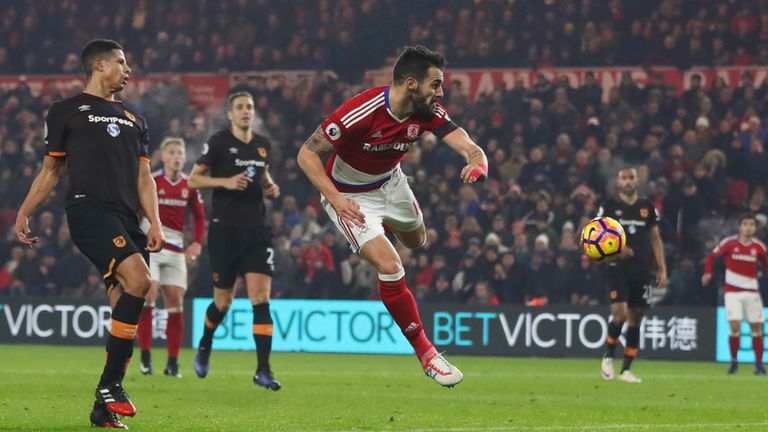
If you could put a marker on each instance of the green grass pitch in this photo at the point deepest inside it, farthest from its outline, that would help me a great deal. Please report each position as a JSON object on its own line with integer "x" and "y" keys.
{"x": 49, "y": 388}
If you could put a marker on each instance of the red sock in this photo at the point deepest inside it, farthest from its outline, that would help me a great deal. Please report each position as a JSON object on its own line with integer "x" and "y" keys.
{"x": 402, "y": 306}
{"x": 174, "y": 333}
{"x": 757, "y": 345}
{"x": 733, "y": 341}
{"x": 145, "y": 328}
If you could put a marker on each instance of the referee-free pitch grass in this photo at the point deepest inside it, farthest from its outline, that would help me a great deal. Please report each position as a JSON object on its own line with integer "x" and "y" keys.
{"x": 51, "y": 388}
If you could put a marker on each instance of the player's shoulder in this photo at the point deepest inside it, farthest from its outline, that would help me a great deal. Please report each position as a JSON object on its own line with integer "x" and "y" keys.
{"x": 73, "y": 104}
{"x": 728, "y": 241}
{"x": 157, "y": 173}
{"x": 760, "y": 244}
{"x": 221, "y": 137}
{"x": 440, "y": 112}
{"x": 365, "y": 101}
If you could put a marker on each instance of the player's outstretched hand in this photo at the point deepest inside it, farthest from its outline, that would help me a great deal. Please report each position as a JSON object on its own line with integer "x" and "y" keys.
{"x": 23, "y": 233}
{"x": 705, "y": 278}
{"x": 271, "y": 190}
{"x": 349, "y": 211}
{"x": 474, "y": 172}
{"x": 661, "y": 278}
{"x": 155, "y": 239}
{"x": 193, "y": 251}
{"x": 627, "y": 252}
{"x": 238, "y": 182}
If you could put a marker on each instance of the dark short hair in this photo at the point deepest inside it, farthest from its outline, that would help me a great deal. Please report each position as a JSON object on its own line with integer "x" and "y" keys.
{"x": 231, "y": 98}
{"x": 97, "y": 49}
{"x": 747, "y": 216}
{"x": 415, "y": 62}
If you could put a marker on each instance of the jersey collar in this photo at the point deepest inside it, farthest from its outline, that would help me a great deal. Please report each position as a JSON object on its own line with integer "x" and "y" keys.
{"x": 386, "y": 101}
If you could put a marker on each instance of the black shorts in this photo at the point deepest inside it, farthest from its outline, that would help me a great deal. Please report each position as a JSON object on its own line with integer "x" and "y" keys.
{"x": 236, "y": 250}
{"x": 630, "y": 283}
{"x": 106, "y": 236}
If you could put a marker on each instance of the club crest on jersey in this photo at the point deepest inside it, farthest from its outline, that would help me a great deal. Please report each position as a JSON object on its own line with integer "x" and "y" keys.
{"x": 130, "y": 116}
{"x": 333, "y": 131}
{"x": 185, "y": 193}
{"x": 113, "y": 130}
{"x": 643, "y": 212}
{"x": 119, "y": 241}
{"x": 413, "y": 131}
{"x": 262, "y": 152}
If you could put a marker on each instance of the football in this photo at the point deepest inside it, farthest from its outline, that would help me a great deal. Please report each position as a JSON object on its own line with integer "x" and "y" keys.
{"x": 603, "y": 239}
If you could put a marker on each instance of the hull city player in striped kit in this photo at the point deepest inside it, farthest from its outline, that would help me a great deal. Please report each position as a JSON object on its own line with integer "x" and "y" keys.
{"x": 742, "y": 255}
{"x": 363, "y": 188}
{"x": 168, "y": 269}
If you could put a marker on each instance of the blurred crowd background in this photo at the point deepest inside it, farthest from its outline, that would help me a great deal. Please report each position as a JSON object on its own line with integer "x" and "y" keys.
{"x": 554, "y": 146}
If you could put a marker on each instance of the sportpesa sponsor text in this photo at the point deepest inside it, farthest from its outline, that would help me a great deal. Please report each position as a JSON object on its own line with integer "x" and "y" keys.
{"x": 102, "y": 119}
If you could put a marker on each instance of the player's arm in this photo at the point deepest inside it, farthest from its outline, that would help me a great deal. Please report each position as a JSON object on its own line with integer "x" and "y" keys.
{"x": 148, "y": 200}
{"x": 310, "y": 161}
{"x": 195, "y": 205}
{"x": 658, "y": 252}
{"x": 271, "y": 189}
{"x": 44, "y": 183}
{"x": 199, "y": 179}
{"x": 477, "y": 163}
{"x": 716, "y": 253}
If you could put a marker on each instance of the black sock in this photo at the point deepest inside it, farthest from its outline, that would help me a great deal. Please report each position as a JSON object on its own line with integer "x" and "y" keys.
{"x": 213, "y": 317}
{"x": 630, "y": 351}
{"x": 125, "y": 320}
{"x": 262, "y": 335}
{"x": 172, "y": 361}
{"x": 614, "y": 331}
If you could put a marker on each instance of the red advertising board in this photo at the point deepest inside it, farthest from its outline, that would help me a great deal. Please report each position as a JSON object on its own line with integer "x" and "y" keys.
{"x": 476, "y": 82}
{"x": 205, "y": 90}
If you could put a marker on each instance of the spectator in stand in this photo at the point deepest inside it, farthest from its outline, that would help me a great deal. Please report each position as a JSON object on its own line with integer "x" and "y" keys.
{"x": 483, "y": 295}
{"x": 317, "y": 263}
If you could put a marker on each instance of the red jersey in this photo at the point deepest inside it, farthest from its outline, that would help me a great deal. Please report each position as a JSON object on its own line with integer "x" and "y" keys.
{"x": 740, "y": 263}
{"x": 173, "y": 199}
{"x": 371, "y": 141}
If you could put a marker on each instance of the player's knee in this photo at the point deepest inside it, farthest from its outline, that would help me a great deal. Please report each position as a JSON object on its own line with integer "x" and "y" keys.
{"x": 389, "y": 268}
{"x": 223, "y": 303}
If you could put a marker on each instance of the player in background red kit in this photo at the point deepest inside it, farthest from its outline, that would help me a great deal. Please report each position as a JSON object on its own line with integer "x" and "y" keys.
{"x": 169, "y": 269}
{"x": 363, "y": 188}
{"x": 742, "y": 298}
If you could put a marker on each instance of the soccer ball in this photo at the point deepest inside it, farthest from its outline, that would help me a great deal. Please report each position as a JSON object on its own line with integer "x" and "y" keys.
{"x": 603, "y": 239}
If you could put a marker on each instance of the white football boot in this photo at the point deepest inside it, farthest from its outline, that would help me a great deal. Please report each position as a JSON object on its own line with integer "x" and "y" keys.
{"x": 606, "y": 368}
{"x": 443, "y": 372}
{"x": 628, "y": 377}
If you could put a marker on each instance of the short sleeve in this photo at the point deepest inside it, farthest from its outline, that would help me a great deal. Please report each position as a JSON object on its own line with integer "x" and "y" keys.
{"x": 653, "y": 218}
{"x": 345, "y": 125}
{"x": 441, "y": 124}
{"x": 55, "y": 132}
{"x": 207, "y": 158}
{"x": 144, "y": 144}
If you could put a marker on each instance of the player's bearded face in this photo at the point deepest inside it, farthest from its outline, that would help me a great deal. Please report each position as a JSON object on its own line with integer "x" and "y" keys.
{"x": 423, "y": 104}
{"x": 628, "y": 183}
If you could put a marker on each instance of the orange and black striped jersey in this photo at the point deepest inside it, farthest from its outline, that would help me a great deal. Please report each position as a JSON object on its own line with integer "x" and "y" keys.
{"x": 103, "y": 142}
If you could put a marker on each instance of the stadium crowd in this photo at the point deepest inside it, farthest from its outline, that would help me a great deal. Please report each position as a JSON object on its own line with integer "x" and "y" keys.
{"x": 553, "y": 148}
{"x": 200, "y": 35}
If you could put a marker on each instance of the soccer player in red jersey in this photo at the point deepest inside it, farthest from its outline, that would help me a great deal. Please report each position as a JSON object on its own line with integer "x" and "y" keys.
{"x": 363, "y": 188}
{"x": 168, "y": 268}
{"x": 742, "y": 298}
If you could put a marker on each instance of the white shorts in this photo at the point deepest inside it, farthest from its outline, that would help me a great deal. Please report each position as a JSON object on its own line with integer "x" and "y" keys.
{"x": 393, "y": 203}
{"x": 744, "y": 305}
{"x": 168, "y": 268}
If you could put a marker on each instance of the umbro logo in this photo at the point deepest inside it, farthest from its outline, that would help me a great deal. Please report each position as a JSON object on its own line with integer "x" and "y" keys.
{"x": 376, "y": 135}
{"x": 82, "y": 108}
{"x": 233, "y": 150}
